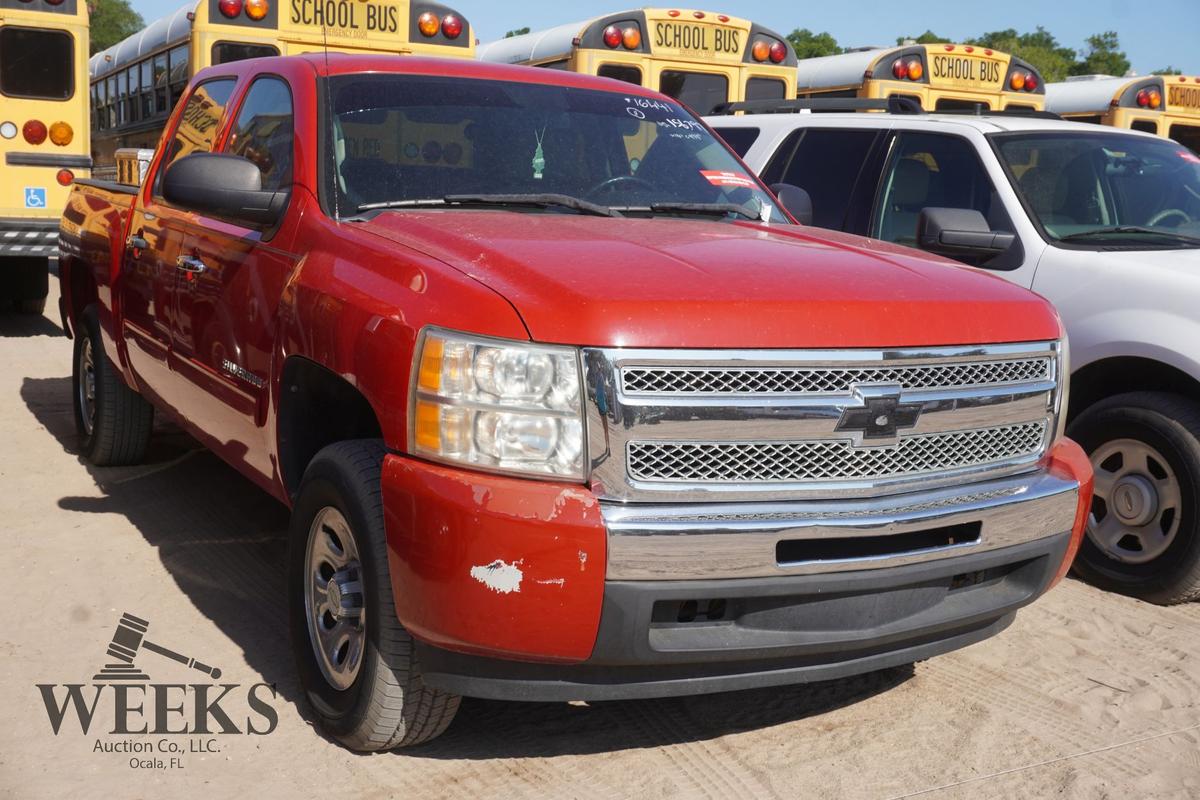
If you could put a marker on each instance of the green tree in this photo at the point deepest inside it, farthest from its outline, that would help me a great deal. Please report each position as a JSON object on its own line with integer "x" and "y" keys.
{"x": 1038, "y": 48}
{"x": 517, "y": 32}
{"x": 112, "y": 21}
{"x": 1102, "y": 57}
{"x": 812, "y": 45}
{"x": 928, "y": 37}
{"x": 1168, "y": 70}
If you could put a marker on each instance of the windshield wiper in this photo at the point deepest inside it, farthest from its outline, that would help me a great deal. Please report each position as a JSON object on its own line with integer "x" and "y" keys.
{"x": 707, "y": 209}
{"x": 548, "y": 200}
{"x": 1136, "y": 230}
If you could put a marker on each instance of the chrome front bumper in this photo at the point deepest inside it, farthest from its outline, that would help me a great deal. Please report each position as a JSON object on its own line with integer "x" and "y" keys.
{"x": 742, "y": 540}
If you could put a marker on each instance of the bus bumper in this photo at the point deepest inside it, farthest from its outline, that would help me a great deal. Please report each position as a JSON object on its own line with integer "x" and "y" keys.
{"x": 28, "y": 236}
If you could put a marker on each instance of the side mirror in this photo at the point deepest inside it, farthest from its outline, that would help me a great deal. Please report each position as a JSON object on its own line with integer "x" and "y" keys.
{"x": 224, "y": 186}
{"x": 795, "y": 200}
{"x": 958, "y": 232}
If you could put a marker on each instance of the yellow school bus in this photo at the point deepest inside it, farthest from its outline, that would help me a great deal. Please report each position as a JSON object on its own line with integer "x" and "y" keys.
{"x": 1132, "y": 103}
{"x": 941, "y": 77}
{"x": 701, "y": 58}
{"x": 43, "y": 136}
{"x": 1181, "y": 115}
{"x": 1168, "y": 105}
{"x": 136, "y": 82}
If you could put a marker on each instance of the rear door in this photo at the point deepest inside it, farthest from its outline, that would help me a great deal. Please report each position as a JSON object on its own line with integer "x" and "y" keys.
{"x": 147, "y": 285}
{"x": 232, "y": 278}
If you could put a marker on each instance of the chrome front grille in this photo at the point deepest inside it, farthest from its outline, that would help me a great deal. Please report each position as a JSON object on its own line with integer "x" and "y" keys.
{"x": 823, "y": 380}
{"x": 804, "y": 461}
{"x": 669, "y": 426}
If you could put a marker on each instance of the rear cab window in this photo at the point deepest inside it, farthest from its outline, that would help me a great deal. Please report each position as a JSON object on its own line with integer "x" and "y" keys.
{"x": 36, "y": 63}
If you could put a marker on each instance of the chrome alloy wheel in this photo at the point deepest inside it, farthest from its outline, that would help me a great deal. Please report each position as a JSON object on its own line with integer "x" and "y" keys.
{"x": 87, "y": 386}
{"x": 1138, "y": 502}
{"x": 333, "y": 598}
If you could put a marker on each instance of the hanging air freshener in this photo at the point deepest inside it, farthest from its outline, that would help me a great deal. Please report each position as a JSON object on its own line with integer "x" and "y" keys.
{"x": 539, "y": 158}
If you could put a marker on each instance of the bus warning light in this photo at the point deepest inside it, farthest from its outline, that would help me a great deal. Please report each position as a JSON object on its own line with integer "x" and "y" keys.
{"x": 452, "y": 26}
{"x": 34, "y": 131}
{"x": 762, "y": 50}
{"x": 778, "y": 52}
{"x": 61, "y": 134}
{"x": 631, "y": 37}
{"x": 612, "y": 36}
{"x": 257, "y": 9}
{"x": 230, "y": 9}
{"x": 428, "y": 24}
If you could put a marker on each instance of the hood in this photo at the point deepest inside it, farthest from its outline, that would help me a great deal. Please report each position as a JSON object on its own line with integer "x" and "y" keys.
{"x": 682, "y": 283}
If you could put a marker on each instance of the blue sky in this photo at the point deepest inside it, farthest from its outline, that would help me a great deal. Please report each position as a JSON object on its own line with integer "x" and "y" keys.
{"x": 1153, "y": 34}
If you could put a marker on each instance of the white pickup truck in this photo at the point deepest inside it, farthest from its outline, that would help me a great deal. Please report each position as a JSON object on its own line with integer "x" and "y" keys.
{"x": 1103, "y": 222}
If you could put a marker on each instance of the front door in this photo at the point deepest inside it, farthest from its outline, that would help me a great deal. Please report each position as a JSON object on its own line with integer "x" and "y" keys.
{"x": 231, "y": 280}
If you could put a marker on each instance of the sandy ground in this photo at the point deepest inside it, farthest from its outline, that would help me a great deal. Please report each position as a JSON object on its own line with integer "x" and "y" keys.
{"x": 1087, "y": 695}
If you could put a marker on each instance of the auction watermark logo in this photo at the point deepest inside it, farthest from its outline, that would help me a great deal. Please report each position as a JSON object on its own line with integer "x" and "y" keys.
{"x": 157, "y": 724}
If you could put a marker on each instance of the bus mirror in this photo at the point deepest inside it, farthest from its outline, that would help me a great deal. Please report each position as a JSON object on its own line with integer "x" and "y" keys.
{"x": 959, "y": 232}
{"x": 223, "y": 186}
{"x": 796, "y": 201}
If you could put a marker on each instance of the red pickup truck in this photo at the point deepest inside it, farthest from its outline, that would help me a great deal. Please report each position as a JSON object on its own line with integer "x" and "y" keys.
{"x": 565, "y": 405}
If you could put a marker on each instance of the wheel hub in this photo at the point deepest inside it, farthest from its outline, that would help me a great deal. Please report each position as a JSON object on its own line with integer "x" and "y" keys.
{"x": 333, "y": 599}
{"x": 1134, "y": 500}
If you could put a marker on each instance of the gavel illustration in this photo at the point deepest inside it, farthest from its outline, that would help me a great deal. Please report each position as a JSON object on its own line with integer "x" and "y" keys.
{"x": 130, "y": 637}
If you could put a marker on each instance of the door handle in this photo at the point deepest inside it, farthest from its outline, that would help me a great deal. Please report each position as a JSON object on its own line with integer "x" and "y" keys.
{"x": 136, "y": 243}
{"x": 191, "y": 264}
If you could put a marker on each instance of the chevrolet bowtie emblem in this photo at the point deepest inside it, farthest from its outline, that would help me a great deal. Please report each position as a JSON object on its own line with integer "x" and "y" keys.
{"x": 879, "y": 418}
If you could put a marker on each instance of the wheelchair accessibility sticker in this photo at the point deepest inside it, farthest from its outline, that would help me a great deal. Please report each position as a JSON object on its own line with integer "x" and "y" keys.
{"x": 35, "y": 197}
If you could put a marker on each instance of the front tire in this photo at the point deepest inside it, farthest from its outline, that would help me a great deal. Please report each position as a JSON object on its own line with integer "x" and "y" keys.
{"x": 1143, "y": 534}
{"x": 113, "y": 421}
{"x": 357, "y": 664}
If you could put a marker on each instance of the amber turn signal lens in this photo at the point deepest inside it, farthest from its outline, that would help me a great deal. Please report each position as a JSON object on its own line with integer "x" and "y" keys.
{"x": 428, "y": 24}
{"x": 61, "y": 134}
{"x": 1155, "y": 98}
{"x": 1017, "y": 81}
{"x": 761, "y": 51}
{"x": 632, "y": 38}
{"x": 916, "y": 70}
{"x": 257, "y": 9}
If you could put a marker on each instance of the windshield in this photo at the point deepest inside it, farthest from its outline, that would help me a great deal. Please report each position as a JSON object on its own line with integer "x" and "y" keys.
{"x": 1107, "y": 189}
{"x": 405, "y": 140}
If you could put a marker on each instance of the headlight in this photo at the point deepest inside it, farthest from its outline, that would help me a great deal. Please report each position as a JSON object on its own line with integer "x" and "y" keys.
{"x": 497, "y": 405}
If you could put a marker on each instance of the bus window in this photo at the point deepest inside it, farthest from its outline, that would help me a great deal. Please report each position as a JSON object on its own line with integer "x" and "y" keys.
{"x": 621, "y": 72}
{"x": 146, "y": 87}
{"x": 160, "y": 83}
{"x": 949, "y": 104}
{"x": 825, "y": 162}
{"x": 1145, "y": 126}
{"x": 36, "y": 63}
{"x": 1187, "y": 135}
{"x": 765, "y": 89}
{"x": 198, "y": 125}
{"x": 740, "y": 140}
{"x": 227, "y": 52}
{"x": 700, "y": 91}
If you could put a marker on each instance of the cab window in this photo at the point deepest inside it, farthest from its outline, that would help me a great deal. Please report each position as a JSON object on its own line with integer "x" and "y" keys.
{"x": 826, "y": 163}
{"x": 198, "y": 124}
{"x": 933, "y": 171}
{"x": 263, "y": 132}
{"x": 37, "y": 64}
{"x": 701, "y": 91}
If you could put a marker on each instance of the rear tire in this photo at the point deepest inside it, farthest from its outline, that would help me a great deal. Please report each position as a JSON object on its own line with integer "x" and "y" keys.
{"x": 1144, "y": 531}
{"x": 357, "y": 663}
{"x": 113, "y": 421}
